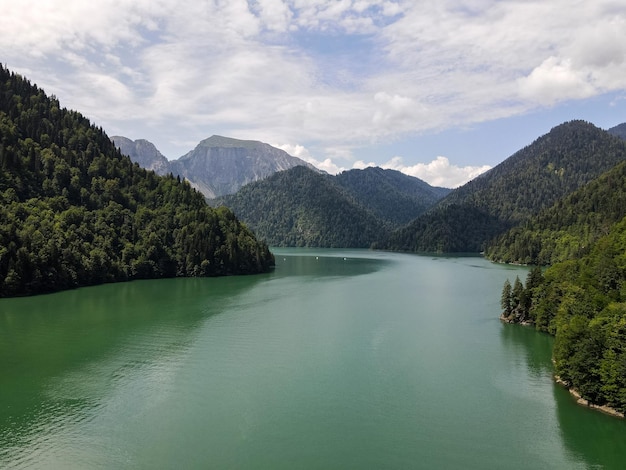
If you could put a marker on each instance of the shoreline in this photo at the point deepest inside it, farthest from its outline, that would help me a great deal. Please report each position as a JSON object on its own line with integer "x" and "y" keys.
{"x": 584, "y": 402}
{"x": 579, "y": 399}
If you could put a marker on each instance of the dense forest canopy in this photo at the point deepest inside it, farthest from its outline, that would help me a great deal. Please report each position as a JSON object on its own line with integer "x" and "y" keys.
{"x": 583, "y": 303}
{"x": 581, "y": 297}
{"x": 74, "y": 211}
{"x": 355, "y": 209}
{"x": 532, "y": 179}
{"x": 301, "y": 207}
{"x": 569, "y": 228}
{"x": 393, "y": 197}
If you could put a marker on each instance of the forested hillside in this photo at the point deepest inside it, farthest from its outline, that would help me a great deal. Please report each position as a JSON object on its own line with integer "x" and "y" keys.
{"x": 301, "y": 207}
{"x": 392, "y": 196}
{"x": 619, "y": 131}
{"x": 569, "y": 228}
{"x": 532, "y": 179}
{"x": 75, "y": 212}
{"x": 583, "y": 303}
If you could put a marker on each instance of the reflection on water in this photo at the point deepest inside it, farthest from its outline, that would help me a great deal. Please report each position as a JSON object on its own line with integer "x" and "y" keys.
{"x": 322, "y": 263}
{"x": 535, "y": 347}
{"x": 336, "y": 359}
{"x": 60, "y": 353}
{"x": 588, "y": 435}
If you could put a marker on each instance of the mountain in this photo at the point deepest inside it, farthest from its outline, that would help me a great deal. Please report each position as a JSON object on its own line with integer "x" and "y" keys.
{"x": 532, "y": 179}
{"x": 618, "y": 131}
{"x": 569, "y": 228}
{"x": 221, "y": 165}
{"x": 393, "y": 197}
{"x": 301, "y": 207}
{"x": 74, "y": 211}
{"x": 217, "y": 166}
{"x": 143, "y": 153}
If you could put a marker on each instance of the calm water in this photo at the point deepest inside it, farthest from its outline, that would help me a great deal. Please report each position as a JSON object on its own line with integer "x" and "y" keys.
{"x": 337, "y": 359}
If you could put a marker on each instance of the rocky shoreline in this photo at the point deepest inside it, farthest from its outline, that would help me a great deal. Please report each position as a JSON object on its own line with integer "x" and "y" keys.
{"x": 583, "y": 402}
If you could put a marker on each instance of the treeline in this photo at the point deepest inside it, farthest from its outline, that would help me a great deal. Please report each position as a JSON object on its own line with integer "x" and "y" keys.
{"x": 582, "y": 302}
{"x": 533, "y": 179}
{"x": 74, "y": 211}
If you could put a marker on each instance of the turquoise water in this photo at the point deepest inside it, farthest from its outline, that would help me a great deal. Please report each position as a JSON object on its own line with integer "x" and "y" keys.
{"x": 337, "y": 359}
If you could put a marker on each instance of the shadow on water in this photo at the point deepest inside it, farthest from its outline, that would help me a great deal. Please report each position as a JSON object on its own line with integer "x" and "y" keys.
{"x": 532, "y": 345}
{"x": 322, "y": 263}
{"x": 587, "y": 434}
{"x": 45, "y": 339}
{"x": 597, "y": 438}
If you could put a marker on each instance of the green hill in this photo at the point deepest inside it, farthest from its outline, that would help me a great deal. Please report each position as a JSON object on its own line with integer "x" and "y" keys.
{"x": 619, "y": 131}
{"x": 75, "y": 212}
{"x": 569, "y": 228}
{"x": 391, "y": 196}
{"x": 532, "y": 179}
{"x": 301, "y": 207}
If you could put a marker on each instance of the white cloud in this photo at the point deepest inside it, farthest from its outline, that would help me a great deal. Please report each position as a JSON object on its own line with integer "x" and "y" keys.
{"x": 438, "y": 172}
{"x": 327, "y": 164}
{"x": 184, "y": 70}
{"x": 275, "y": 14}
{"x": 554, "y": 81}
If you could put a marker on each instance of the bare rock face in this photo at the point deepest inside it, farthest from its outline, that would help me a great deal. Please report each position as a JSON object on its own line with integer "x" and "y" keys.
{"x": 144, "y": 153}
{"x": 221, "y": 165}
{"x": 218, "y": 165}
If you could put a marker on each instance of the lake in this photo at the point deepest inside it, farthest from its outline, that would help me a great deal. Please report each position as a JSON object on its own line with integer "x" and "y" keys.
{"x": 346, "y": 359}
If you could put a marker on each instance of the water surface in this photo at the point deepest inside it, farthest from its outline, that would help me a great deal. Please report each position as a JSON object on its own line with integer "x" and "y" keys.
{"x": 337, "y": 359}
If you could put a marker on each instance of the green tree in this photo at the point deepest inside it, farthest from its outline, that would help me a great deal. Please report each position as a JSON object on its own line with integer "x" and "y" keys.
{"x": 505, "y": 299}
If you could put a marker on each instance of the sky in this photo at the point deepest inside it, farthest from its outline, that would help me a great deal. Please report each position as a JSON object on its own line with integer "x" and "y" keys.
{"x": 438, "y": 89}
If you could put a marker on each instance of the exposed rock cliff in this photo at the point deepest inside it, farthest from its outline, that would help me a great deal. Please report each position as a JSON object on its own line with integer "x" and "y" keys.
{"x": 144, "y": 153}
{"x": 217, "y": 166}
{"x": 221, "y": 165}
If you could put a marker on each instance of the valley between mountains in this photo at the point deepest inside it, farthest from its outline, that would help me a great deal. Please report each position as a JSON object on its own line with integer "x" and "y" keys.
{"x": 78, "y": 208}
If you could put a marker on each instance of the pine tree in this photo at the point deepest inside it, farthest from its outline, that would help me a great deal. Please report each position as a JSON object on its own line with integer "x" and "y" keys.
{"x": 505, "y": 301}
{"x": 517, "y": 293}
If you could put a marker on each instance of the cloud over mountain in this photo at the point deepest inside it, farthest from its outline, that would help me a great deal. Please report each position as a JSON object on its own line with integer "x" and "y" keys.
{"x": 327, "y": 75}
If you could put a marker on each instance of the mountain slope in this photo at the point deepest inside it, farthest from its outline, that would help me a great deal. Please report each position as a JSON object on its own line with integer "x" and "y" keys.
{"x": 144, "y": 153}
{"x": 217, "y": 166}
{"x": 221, "y": 165}
{"x": 74, "y": 211}
{"x": 569, "y": 228}
{"x": 618, "y": 131}
{"x": 532, "y": 179}
{"x": 300, "y": 207}
{"x": 391, "y": 196}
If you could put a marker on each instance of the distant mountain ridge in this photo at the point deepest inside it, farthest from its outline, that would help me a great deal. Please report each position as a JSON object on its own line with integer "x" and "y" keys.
{"x": 144, "y": 153}
{"x": 618, "y": 131}
{"x": 532, "y": 179}
{"x": 355, "y": 209}
{"x": 216, "y": 166}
